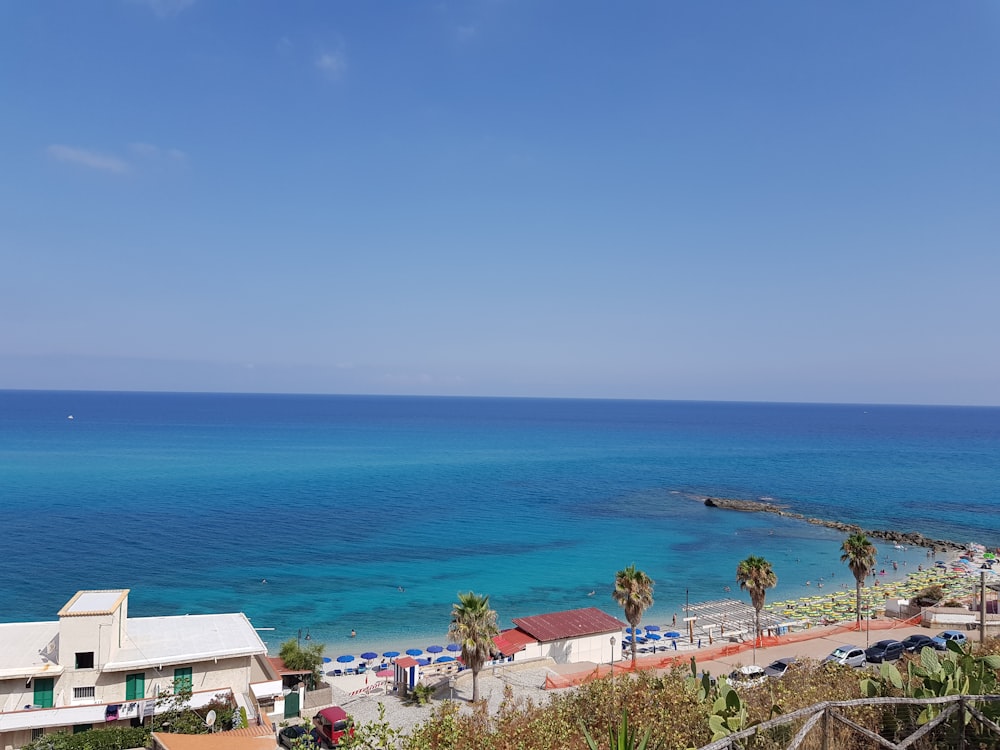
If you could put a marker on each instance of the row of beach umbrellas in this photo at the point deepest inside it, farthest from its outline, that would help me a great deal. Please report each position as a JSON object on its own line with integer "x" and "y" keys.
{"x": 369, "y": 655}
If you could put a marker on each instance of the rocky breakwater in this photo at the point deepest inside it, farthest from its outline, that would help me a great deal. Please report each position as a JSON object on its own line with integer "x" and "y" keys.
{"x": 905, "y": 538}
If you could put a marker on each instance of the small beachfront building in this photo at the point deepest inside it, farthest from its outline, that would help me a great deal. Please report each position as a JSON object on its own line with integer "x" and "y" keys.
{"x": 96, "y": 666}
{"x": 574, "y": 635}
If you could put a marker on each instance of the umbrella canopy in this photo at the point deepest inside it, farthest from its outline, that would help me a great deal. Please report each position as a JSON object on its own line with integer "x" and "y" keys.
{"x": 346, "y": 658}
{"x": 414, "y": 651}
{"x": 384, "y": 673}
{"x": 454, "y": 647}
{"x": 673, "y": 634}
{"x": 443, "y": 659}
{"x": 369, "y": 655}
{"x": 327, "y": 659}
{"x": 435, "y": 649}
{"x": 652, "y": 636}
{"x": 652, "y": 627}
{"x": 423, "y": 662}
{"x": 390, "y": 654}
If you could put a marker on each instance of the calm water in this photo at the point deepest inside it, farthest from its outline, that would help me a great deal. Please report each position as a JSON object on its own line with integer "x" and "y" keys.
{"x": 190, "y": 500}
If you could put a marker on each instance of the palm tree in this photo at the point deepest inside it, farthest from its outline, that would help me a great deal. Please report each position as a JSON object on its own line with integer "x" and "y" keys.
{"x": 860, "y": 556}
{"x": 756, "y": 575}
{"x": 473, "y": 624}
{"x": 634, "y": 592}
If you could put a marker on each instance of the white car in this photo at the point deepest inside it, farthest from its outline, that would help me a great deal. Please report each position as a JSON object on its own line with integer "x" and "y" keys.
{"x": 851, "y": 656}
{"x": 747, "y": 676}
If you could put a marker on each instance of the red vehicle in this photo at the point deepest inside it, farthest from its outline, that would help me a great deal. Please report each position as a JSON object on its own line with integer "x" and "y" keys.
{"x": 332, "y": 724}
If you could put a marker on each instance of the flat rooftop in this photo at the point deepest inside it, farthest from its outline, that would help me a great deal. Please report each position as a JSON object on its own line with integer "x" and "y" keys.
{"x": 86, "y": 603}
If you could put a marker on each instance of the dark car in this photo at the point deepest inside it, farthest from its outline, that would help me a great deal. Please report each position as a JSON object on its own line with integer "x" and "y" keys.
{"x": 288, "y": 735}
{"x": 778, "y": 667}
{"x": 888, "y": 650}
{"x": 916, "y": 642}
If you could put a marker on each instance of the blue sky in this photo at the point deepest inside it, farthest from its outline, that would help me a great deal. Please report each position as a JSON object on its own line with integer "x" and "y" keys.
{"x": 782, "y": 201}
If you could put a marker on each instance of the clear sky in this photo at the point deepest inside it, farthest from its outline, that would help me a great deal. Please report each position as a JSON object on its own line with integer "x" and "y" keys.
{"x": 782, "y": 201}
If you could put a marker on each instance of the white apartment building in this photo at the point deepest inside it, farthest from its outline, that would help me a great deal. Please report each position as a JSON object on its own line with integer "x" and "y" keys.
{"x": 95, "y": 666}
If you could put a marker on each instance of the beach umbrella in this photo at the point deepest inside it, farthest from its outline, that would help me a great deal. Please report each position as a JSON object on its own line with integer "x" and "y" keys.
{"x": 384, "y": 673}
{"x": 443, "y": 659}
{"x": 390, "y": 654}
{"x": 454, "y": 647}
{"x": 434, "y": 649}
{"x": 652, "y": 627}
{"x": 414, "y": 651}
{"x": 423, "y": 662}
{"x": 369, "y": 655}
{"x": 345, "y": 659}
{"x": 673, "y": 634}
{"x": 327, "y": 659}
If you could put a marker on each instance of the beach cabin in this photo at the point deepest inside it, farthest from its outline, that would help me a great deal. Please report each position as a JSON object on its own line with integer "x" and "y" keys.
{"x": 95, "y": 666}
{"x": 574, "y": 635}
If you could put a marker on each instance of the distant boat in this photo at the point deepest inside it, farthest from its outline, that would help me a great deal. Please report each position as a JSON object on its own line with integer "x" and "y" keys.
{"x": 70, "y": 416}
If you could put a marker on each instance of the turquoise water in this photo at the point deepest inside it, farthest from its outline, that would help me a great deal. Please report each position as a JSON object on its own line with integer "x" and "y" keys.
{"x": 191, "y": 500}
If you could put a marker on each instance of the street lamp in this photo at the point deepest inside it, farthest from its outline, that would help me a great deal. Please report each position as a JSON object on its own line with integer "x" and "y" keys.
{"x": 612, "y": 655}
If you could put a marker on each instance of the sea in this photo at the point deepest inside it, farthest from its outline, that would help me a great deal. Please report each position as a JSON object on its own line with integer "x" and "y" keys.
{"x": 322, "y": 515}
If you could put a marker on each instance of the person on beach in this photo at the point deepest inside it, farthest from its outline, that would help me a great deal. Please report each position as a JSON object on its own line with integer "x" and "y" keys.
{"x": 353, "y": 634}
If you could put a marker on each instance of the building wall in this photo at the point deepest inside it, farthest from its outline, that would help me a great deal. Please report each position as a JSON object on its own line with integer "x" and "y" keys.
{"x": 208, "y": 677}
{"x": 596, "y": 648}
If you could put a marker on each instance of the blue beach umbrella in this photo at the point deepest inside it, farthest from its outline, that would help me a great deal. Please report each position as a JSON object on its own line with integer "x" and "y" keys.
{"x": 345, "y": 659}
{"x": 327, "y": 659}
{"x": 652, "y": 627}
{"x": 444, "y": 659}
{"x": 390, "y": 654}
{"x": 367, "y": 655}
{"x": 673, "y": 634}
{"x": 434, "y": 649}
{"x": 414, "y": 651}
{"x": 423, "y": 662}
{"x": 454, "y": 647}
{"x": 653, "y": 636}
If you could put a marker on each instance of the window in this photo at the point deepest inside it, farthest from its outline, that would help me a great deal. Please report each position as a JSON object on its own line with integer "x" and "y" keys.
{"x": 135, "y": 686}
{"x": 84, "y": 659}
{"x": 43, "y": 692}
{"x": 37, "y": 734}
{"x": 77, "y": 728}
{"x": 183, "y": 682}
{"x": 83, "y": 693}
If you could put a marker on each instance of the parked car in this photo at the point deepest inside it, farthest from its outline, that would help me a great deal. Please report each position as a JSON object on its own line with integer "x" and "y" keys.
{"x": 848, "y": 655}
{"x": 778, "y": 667}
{"x": 287, "y": 736}
{"x": 915, "y": 642}
{"x": 331, "y": 724}
{"x": 942, "y": 638}
{"x": 747, "y": 676}
{"x": 888, "y": 650}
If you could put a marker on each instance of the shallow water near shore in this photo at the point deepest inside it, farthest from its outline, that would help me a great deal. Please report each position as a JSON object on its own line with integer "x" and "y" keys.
{"x": 338, "y": 502}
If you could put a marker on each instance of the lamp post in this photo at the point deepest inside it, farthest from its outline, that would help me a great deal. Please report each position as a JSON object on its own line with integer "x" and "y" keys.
{"x": 612, "y": 656}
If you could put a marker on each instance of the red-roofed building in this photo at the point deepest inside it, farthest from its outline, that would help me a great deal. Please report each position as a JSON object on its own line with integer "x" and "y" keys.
{"x": 571, "y": 636}
{"x": 512, "y": 641}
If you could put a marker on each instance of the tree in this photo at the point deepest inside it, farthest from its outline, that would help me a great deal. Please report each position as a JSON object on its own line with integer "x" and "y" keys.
{"x": 860, "y": 556}
{"x": 756, "y": 576}
{"x": 473, "y": 625}
{"x": 634, "y": 593}
{"x": 297, "y": 657}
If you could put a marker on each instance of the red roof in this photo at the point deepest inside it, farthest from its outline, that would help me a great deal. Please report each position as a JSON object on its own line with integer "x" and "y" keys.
{"x": 511, "y": 641}
{"x": 406, "y": 662}
{"x": 570, "y": 624}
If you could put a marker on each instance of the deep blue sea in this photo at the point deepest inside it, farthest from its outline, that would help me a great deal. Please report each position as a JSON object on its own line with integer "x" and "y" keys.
{"x": 339, "y": 502}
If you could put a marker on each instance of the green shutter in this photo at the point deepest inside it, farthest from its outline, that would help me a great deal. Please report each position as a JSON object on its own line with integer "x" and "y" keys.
{"x": 135, "y": 686}
{"x": 183, "y": 681}
{"x": 43, "y": 692}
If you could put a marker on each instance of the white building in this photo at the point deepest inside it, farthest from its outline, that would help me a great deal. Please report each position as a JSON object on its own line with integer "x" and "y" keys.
{"x": 95, "y": 666}
{"x": 575, "y": 635}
